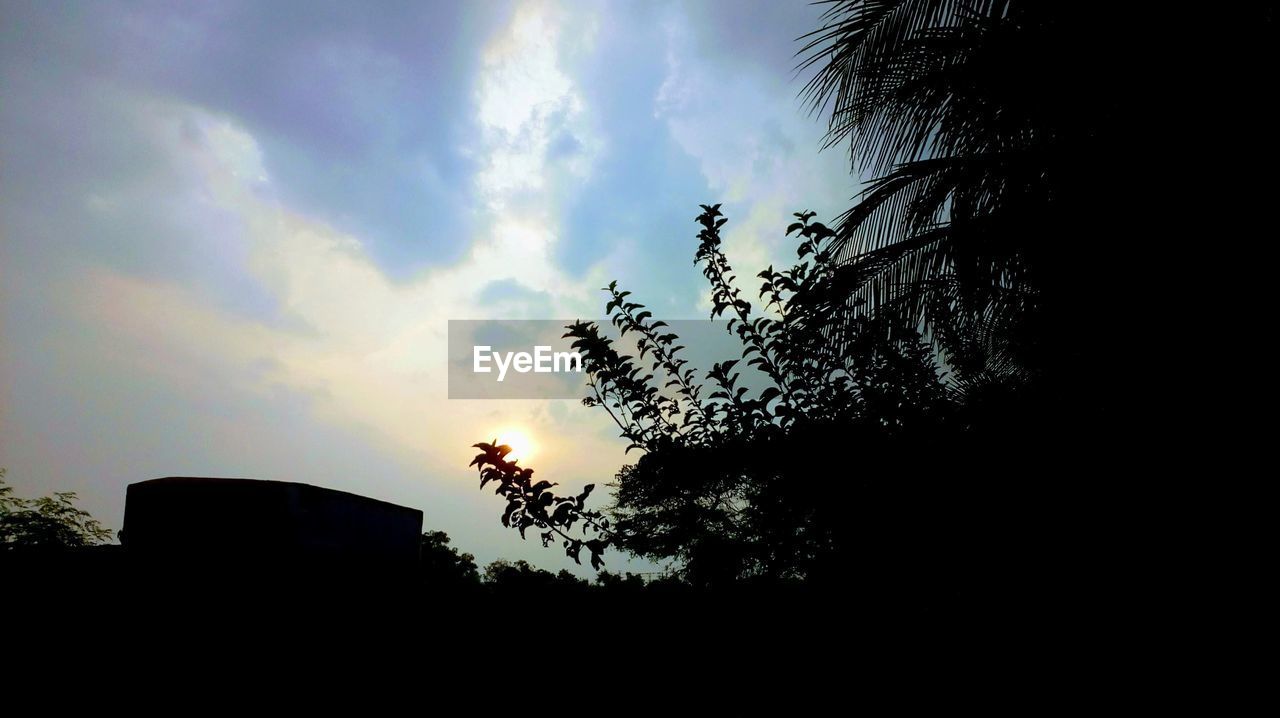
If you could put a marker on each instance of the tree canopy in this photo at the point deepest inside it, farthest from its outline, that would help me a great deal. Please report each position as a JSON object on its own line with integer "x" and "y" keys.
{"x": 46, "y": 523}
{"x": 937, "y": 356}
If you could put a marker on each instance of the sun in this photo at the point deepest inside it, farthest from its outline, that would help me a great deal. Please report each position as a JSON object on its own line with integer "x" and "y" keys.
{"x": 522, "y": 446}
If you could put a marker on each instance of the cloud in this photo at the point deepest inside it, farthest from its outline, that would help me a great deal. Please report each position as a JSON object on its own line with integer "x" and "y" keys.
{"x": 365, "y": 353}
{"x": 744, "y": 126}
{"x": 525, "y": 100}
{"x": 361, "y": 116}
{"x": 346, "y": 347}
{"x": 233, "y": 236}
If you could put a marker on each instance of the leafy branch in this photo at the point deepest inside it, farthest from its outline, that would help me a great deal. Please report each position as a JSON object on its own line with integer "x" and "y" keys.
{"x": 47, "y": 522}
{"x": 533, "y": 505}
{"x": 708, "y": 486}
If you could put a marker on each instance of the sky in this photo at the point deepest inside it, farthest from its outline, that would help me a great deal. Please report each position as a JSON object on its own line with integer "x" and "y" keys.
{"x": 232, "y": 234}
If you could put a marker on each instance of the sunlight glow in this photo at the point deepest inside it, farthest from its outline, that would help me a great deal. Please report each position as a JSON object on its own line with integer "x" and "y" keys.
{"x": 522, "y": 446}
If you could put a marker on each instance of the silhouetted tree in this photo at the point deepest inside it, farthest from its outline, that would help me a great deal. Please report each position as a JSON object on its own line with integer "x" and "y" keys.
{"x": 443, "y": 567}
{"x": 620, "y": 584}
{"x": 1000, "y": 144}
{"x": 47, "y": 523}
{"x": 725, "y": 479}
{"x": 504, "y": 576}
{"x": 947, "y": 365}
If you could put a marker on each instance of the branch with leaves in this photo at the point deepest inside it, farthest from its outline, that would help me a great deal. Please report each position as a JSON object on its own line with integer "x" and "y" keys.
{"x": 533, "y": 505}
{"x": 699, "y": 484}
{"x": 48, "y": 522}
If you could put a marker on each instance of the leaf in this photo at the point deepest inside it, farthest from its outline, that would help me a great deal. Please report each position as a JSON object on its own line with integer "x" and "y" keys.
{"x": 562, "y": 514}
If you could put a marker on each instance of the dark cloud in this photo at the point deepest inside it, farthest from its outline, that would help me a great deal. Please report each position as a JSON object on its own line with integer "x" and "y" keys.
{"x": 361, "y": 111}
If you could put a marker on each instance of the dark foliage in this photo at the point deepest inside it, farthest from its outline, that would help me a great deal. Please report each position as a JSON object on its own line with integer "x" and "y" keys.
{"x": 508, "y": 577}
{"x": 47, "y": 523}
{"x": 957, "y": 365}
{"x": 442, "y": 567}
{"x": 726, "y": 479}
{"x": 534, "y": 505}
{"x": 981, "y": 128}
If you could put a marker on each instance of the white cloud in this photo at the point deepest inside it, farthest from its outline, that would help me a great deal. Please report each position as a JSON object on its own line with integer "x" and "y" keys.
{"x": 369, "y": 352}
{"x": 524, "y": 98}
{"x": 758, "y": 151}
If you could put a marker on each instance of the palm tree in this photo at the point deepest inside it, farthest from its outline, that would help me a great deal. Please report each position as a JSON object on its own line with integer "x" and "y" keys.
{"x": 981, "y": 129}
